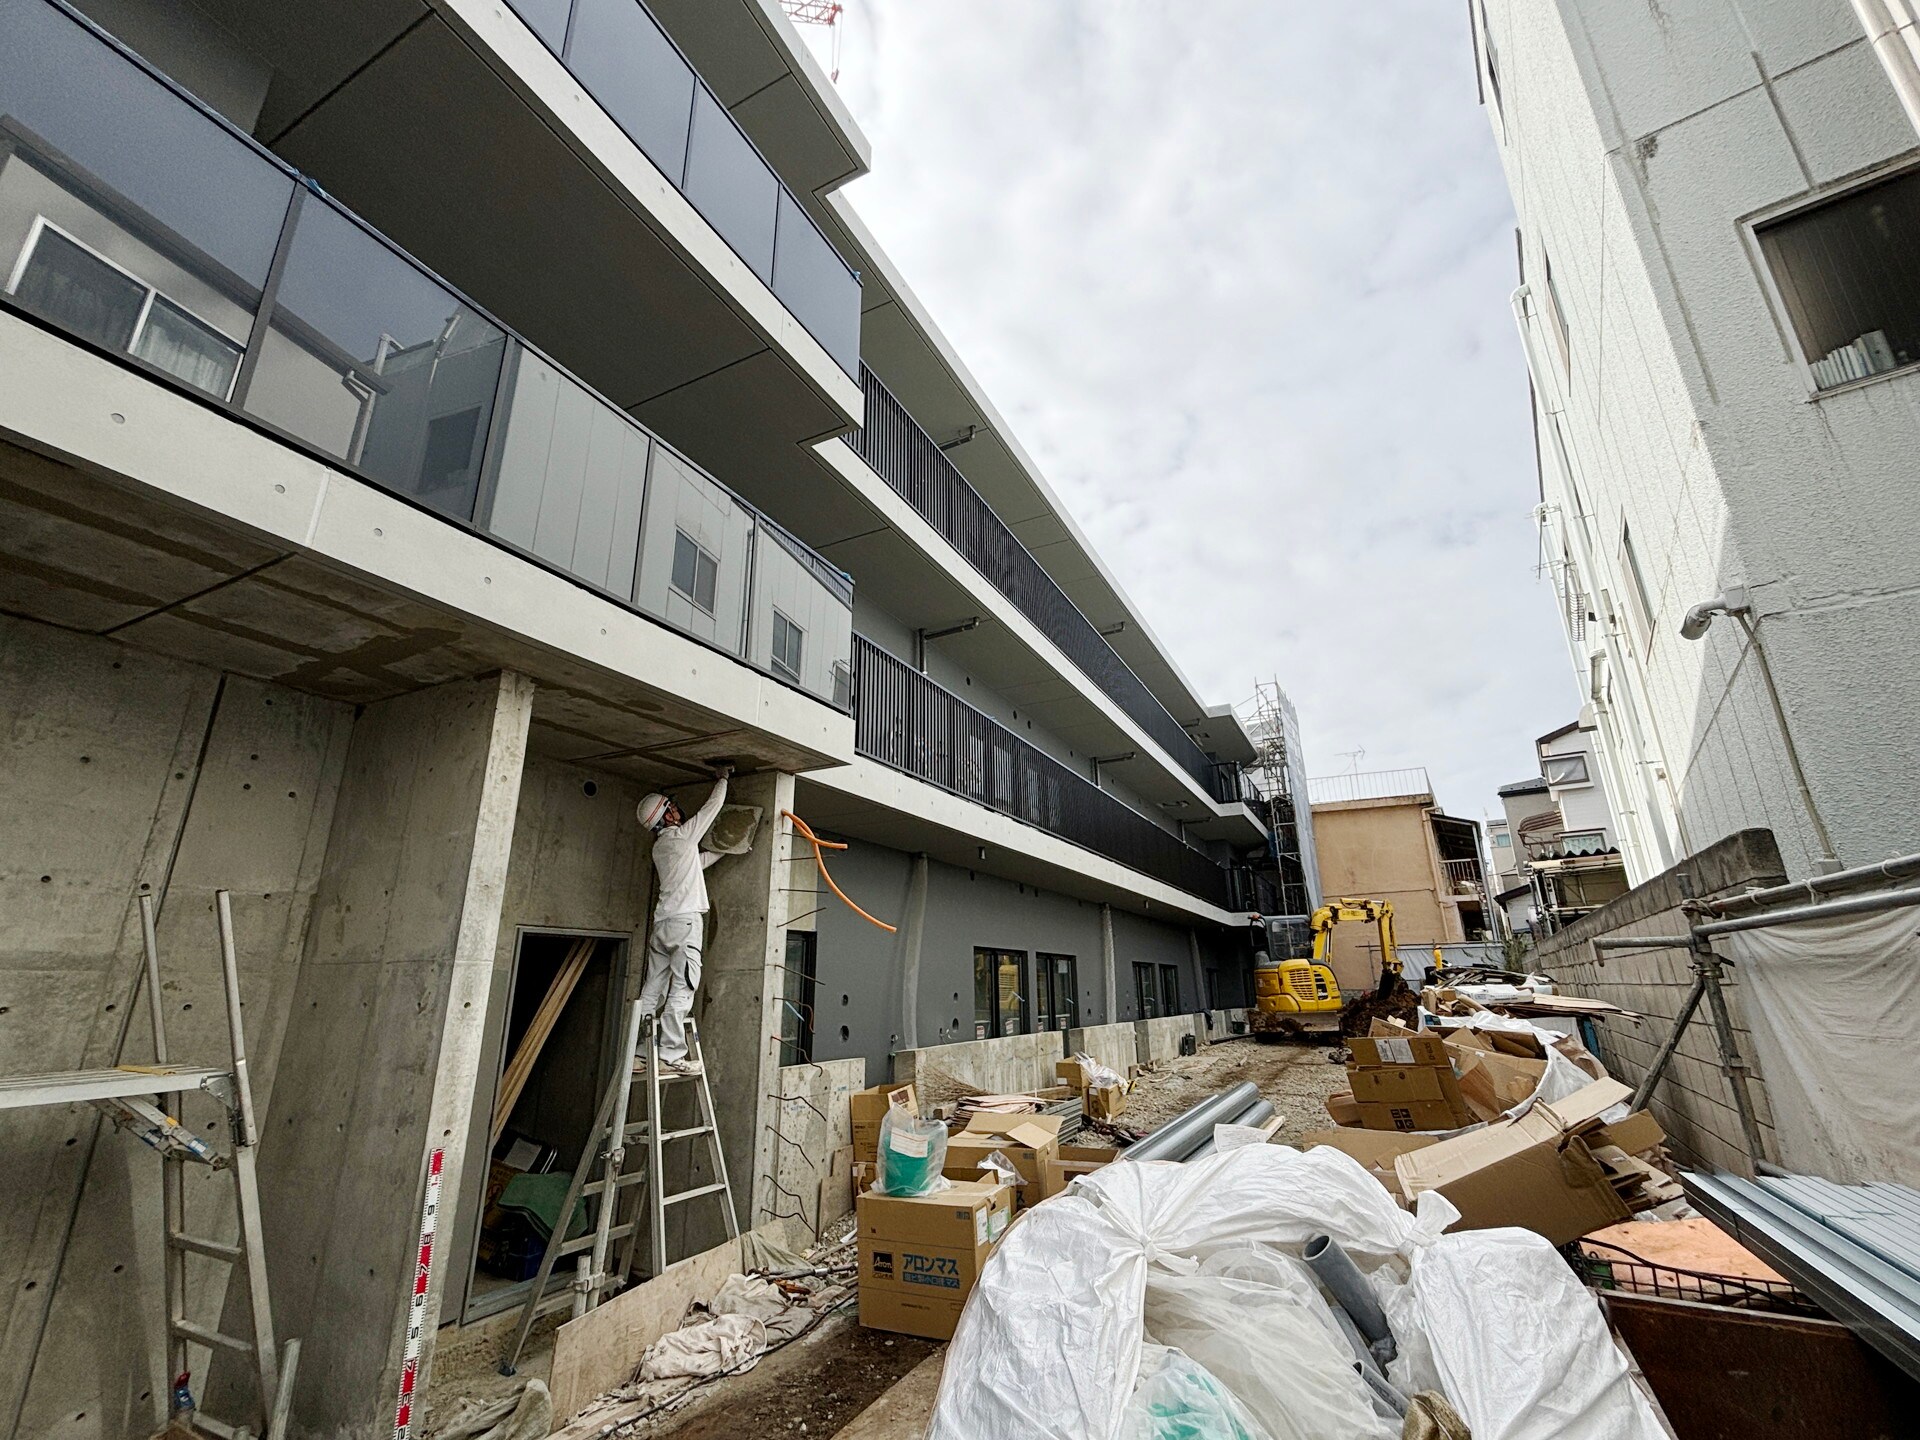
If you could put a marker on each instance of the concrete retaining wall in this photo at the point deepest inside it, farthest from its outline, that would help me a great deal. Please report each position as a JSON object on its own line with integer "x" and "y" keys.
{"x": 1218, "y": 1025}
{"x": 813, "y": 1145}
{"x": 1693, "y": 1102}
{"x": 1008, "y": 1064}
{"x": 1160, "y": 1038}
{"x": 1115, "y": 1046}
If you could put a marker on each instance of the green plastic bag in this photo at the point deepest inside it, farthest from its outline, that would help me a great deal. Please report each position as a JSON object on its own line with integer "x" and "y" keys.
{"x": 912, "y": 1154}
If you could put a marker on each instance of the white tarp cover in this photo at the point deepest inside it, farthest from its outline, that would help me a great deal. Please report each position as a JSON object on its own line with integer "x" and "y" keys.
{"x": 1050, "y": 1343}
{"x": 1834, "y": 1006}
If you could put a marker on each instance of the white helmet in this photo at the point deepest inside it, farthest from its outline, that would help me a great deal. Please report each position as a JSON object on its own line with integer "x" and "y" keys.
{"x": 652, "y": 809}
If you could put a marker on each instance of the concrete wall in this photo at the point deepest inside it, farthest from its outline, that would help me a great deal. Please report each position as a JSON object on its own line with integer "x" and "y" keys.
{"x": 813, "y": 1150}
{"x": 127, "y": 773}
{"x": 1693, "y": 1103}
{"x": 1004, "y": 1065}
{"x": 1115, "y": 1046}
{"x": 378, "y": 1072}
{"x": 1165, "y": 1036}
{"x": 1638, "y": 140}
{"x": 1381, "y": 850}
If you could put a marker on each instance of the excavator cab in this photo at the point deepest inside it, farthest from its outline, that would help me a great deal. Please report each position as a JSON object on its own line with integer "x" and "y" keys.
{"x": 1293, "y": 987}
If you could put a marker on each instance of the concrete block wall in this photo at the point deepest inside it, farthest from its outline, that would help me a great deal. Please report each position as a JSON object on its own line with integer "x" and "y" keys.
{"x": 1693, "y": 1103}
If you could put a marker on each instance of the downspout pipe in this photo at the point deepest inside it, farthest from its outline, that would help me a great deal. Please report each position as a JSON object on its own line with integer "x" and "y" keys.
{"x": 911, "y": 932}
{"x": 1895, "y": 35}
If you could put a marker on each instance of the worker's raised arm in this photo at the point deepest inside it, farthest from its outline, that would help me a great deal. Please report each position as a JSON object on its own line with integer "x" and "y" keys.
{"x": 710, "y": 811}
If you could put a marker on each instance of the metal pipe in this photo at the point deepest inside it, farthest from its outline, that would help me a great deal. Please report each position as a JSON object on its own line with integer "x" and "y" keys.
{"x": 1257, "y": 1113}
{"x": 1828, "y": 859}
{"x": 1643, "y": 942}
{"x": 1898, "y": 869}
{"x": 1180, "y": 1134}
{"x": 1852, "y": 905}
{"x": 1334, "y": 1268}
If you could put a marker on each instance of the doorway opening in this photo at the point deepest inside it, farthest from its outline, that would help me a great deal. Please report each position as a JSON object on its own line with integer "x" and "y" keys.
{"x": 557, "y": 1053}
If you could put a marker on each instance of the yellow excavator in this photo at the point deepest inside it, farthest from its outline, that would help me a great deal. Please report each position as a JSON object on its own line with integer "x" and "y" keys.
{"x": 1297, "y": 994}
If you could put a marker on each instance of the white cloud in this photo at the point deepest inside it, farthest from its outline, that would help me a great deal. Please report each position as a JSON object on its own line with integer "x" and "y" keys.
{"x": 1237, "y": 273}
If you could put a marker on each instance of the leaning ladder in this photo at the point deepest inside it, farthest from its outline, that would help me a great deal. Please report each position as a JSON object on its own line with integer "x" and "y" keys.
{"x": 126, "y": 1093}
{"x": 602, "y": 1176}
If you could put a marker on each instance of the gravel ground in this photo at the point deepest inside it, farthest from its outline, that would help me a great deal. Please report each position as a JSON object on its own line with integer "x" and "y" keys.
{"x": 1295, "y": 1076}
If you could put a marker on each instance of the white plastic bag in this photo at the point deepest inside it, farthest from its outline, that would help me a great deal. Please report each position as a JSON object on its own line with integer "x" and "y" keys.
{"x": 1521, "y": 1348}
{"x": 912, "y": 1152}
{"x": 1096, "y": 1074}
{"x": 1177, "y": 1399}
{"x": 1271, "y": 1348}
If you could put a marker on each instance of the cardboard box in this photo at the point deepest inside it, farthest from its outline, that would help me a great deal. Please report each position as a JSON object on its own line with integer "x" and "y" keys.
{"x": 1072, "y": 1074}
{"x": 1027, "y": 1141}
{"x": 1493, "y": 1083}
{"x": 869, "y": 1107}
{"x": 1522, "y": 1044}
{"x": 920, "y": 1255}
{"x": 1408, "y": 1097}
{"x": 1374, "y": 1149}
{"x": 1074, "y": 1161}
{"x": 1105, "y": 1102}
{"x": 1410, "y": 1047}
{"x": 1535, "y": 1171}
{"x": 1343, "y": 1109}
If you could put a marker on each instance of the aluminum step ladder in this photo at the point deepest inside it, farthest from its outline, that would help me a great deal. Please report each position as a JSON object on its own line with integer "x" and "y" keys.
{"x": 602, "y": 1176}
{"x": 145, "y": 1100}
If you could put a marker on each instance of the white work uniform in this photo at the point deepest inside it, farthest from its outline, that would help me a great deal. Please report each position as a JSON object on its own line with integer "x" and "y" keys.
{"x": 679, "y": 925}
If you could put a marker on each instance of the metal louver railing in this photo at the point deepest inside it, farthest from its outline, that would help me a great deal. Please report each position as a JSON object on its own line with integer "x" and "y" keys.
{"x": 904, "y": 720}
{"x": 907, "y": 458}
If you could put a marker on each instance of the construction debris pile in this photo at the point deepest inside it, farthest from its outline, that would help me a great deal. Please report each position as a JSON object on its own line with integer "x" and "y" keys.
{"x": 1399, "y": 1273}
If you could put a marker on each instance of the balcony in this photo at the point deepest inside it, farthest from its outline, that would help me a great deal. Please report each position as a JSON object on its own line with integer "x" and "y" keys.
{"x": 895, "y": 447}
{"x": 620, "y": 54}
{"x": 904, "y": 720}
{"x": 141, "y": 225}
{"x": 1462, "y": 876}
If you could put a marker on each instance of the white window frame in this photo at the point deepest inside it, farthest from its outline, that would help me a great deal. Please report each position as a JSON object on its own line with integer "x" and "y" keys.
{"x": 1558, "y": 331}
{"x": 693, "y": 597}
{"x": 1561, "y": 840}
{"x": 1638, "y": 600}
{"x": 780, "y": 667}
{"x": 1750, "y": 228}
{"x": 41, "y": 224}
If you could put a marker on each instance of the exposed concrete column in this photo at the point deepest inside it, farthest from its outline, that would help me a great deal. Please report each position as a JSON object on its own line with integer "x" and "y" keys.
{"x": 739, "y": 1004}
{"x": 1199, "y": 969}
{"x": 910, "y": 937}
{"x": 378, "y": 1067}
{"x": 1106, "y": 959}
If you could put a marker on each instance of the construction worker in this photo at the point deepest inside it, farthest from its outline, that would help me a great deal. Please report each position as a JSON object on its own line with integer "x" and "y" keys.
{"x": 679, "y": 918}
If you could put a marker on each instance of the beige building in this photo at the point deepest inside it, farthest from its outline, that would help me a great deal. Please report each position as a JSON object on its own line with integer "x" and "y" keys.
{"x": 1382, "y": 836}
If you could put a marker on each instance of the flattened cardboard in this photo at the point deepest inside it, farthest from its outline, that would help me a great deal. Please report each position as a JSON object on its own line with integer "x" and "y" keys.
{"x": 1636, "y": 1134}
{"x": 1531, "y": 1172}
{"x": 1374, "y": 1149}
{"x": 1493, "y": 1083}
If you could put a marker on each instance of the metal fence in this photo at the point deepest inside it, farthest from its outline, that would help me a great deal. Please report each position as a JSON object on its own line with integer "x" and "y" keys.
{"x": 907, "y": 458}
{"x": 903, "y": 719}
{"x": 1463, "y": 876}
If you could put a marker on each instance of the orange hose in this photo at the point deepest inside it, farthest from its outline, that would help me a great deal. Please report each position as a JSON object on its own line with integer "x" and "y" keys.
{"x": 820, "y": 859}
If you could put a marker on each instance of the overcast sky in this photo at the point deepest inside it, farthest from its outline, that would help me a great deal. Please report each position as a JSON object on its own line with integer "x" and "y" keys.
{"x": 1237, "y": 274}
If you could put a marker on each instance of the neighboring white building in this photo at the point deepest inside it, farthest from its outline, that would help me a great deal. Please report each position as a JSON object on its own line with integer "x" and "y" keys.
{"x": 1563, "y": 857}
{"x": 1719, "y": 206}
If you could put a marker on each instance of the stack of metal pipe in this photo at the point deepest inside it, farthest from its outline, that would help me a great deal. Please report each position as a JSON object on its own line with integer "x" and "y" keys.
{"x": 1189, "y": 1135}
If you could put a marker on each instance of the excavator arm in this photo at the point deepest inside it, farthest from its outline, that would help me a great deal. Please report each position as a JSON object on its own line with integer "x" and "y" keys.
{"x": 1378, "y": 913}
